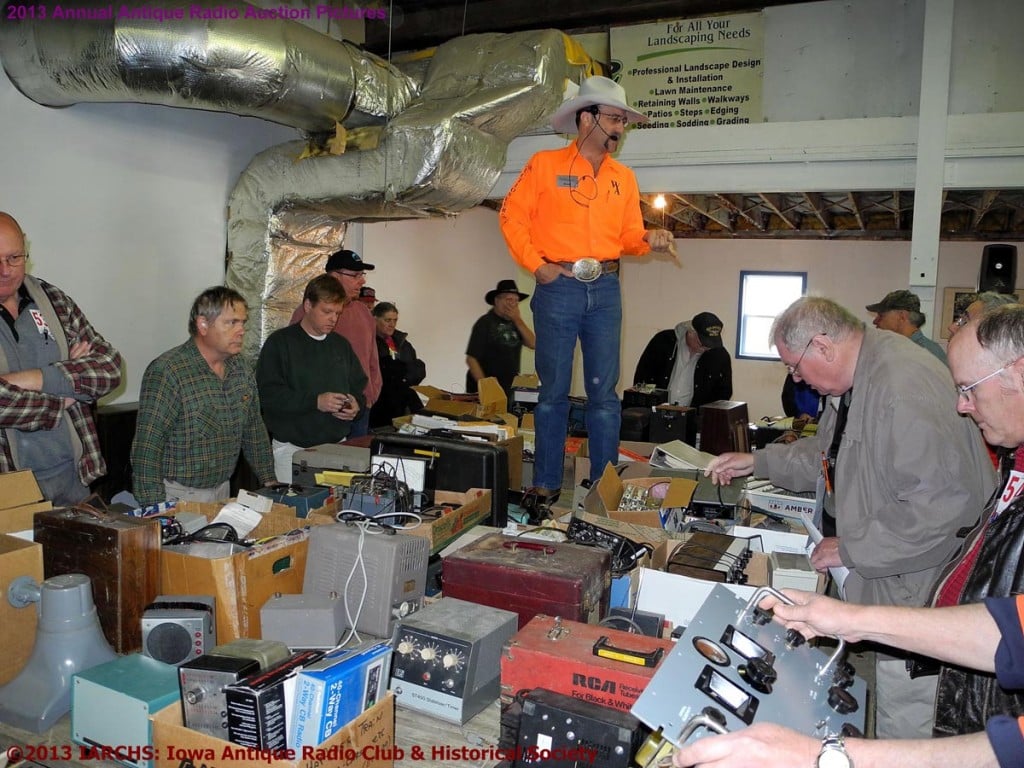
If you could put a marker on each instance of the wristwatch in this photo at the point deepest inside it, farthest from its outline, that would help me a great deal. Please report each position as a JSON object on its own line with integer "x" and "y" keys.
{"x": 833, "y": 753}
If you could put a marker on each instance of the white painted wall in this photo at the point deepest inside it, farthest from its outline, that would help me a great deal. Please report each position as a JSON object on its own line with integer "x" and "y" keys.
{"x": 125, "y": 204}
{"x": 437, "y": 273}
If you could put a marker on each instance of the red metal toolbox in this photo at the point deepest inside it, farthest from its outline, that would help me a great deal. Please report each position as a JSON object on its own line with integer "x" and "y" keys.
{"x": 592, "y": 663}
{"x": 530, "y": 577}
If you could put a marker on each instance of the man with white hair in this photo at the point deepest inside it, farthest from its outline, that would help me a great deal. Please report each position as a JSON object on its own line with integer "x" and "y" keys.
{"x": 569, "y": 217}
{"x": 899, "y": 470}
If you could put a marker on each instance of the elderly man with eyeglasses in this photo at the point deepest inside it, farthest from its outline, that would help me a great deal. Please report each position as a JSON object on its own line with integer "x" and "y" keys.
{"x": 53, "y": 368}
{"x": 901, "y": 472}
{"x": 987, "y": 360}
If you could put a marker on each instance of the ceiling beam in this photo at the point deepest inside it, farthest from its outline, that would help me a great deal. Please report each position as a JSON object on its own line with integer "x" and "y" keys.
{"x": 855, "y": 210}
{"x": 736, "y": 207}
{"x": 815, "y": 203}
{"x": 699, "y": 203}
{"x": 776, "y": 204}
{"x": 987, "y": 198}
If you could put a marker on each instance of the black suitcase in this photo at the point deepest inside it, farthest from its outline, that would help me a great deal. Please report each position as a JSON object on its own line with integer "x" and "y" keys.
{"x": 454, "y": 464}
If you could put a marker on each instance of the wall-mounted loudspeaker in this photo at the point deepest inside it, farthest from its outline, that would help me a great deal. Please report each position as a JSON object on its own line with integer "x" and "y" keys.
{"x": 178, "y": 628}
{"x": 998, "y": 268}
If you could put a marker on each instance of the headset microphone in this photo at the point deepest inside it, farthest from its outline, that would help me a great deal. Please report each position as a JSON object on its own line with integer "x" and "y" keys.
{"x": 597, "y": 122}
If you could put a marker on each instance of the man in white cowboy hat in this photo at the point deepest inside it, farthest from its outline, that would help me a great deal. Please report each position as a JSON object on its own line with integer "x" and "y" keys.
{"x": 567, "y": 219}
{"x": 497, "y": 339}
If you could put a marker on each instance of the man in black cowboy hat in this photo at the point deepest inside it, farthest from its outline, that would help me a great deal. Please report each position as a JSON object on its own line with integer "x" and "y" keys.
{"x": 498, "y": 338}
{"x": 568, "y": 218}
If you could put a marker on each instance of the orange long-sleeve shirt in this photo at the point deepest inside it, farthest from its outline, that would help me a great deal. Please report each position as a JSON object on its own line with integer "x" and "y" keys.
{"x": 558, "y": 211}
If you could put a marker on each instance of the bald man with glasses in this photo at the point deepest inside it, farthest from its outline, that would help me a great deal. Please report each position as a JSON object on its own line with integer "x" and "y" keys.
{"x": 53, "y": 368}
{"x": 895, "y": 465}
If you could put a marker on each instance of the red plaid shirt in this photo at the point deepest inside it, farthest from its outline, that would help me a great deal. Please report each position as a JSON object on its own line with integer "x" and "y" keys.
{"x": 93, "y": 375}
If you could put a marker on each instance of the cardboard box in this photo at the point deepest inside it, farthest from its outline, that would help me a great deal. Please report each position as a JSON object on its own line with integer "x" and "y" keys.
{"x": 241, "y": 583}
{"x": 677, "y": 597}
{"x": 17, "y": 625}
{"x": 302, "y": 500}
{"x": 490, "y": 399}
{"x": 605, "y": 497}
{"x": 473, "y": 507}
{"x": 335, "y": 690}
{"x": 20, "y": 499}
{"x": 366, "y": 742}
{"x": 773, "y": 542}
{"x": 630, "y": 451}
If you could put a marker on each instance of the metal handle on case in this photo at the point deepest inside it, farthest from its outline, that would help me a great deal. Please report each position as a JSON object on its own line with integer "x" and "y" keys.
{"x": 547, "y": 549}
{"x": 760, "y": 594}
{"x": 700, "y": 721}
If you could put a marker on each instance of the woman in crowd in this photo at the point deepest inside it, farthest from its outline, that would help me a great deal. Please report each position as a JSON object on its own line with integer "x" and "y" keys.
{"x": 399, "y": 367}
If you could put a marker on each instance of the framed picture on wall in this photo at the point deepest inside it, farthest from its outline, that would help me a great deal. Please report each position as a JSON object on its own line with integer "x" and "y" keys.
{"x": 955, "y": 302}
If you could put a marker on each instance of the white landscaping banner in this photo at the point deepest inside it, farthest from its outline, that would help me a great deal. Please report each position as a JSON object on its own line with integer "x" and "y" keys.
{"x": 693, "y": 72}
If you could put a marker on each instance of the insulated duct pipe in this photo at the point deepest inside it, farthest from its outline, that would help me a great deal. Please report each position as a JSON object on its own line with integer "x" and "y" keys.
{"x": 277, "y": 70}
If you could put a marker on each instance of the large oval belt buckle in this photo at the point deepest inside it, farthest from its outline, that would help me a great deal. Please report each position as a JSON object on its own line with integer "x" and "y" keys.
{"x": 587, "y": 270}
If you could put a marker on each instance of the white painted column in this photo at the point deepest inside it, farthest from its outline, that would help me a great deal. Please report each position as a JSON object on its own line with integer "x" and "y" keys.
{"x": 936, "y": 56}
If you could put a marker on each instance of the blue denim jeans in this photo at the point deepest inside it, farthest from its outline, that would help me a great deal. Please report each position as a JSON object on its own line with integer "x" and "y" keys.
{"x": 563, "y": 311}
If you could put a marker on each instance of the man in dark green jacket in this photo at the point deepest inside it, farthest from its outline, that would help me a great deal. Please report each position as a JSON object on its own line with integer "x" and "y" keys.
{"x": 310, "y": 381}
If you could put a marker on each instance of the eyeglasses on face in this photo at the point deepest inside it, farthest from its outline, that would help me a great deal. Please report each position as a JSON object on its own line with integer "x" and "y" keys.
{"x": 963, "y": 320}
{"x": 346, "y": 273}
{"x": 965, "y": 391}
{"x": 622, "y": 120}
{"x": 14, "y": 260}
{"x": 794, "y": 370}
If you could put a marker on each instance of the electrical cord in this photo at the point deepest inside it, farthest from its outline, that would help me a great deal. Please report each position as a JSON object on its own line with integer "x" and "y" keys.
{"x": 631, "y": 625}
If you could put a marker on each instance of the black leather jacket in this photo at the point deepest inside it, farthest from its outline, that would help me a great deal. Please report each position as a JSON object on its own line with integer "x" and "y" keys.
{"x": 966, "y": 699}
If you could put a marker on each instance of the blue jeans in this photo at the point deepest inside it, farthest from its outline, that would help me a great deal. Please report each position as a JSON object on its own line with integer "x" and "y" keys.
{"x": 563, "y": 311}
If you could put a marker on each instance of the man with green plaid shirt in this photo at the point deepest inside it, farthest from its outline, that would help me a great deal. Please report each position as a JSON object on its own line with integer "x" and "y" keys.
{"x": 53, "y": 368}
{"x": 199, "y": 409}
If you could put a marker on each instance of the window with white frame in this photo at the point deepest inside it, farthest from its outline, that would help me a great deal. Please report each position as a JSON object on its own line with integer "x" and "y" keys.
{"x": 763, "y": 297}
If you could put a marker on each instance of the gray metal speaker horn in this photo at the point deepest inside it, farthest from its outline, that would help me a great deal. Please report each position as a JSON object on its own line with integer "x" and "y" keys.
{"x": 69, "y": 640}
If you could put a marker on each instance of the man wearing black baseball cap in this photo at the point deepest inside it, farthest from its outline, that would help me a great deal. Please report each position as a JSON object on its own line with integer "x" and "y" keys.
{"x": 356, "y": 324}
{"x": 689, "y": 361}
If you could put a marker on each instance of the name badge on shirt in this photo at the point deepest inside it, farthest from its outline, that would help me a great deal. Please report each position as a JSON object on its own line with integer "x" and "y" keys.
{"x": 569, "y": 182}
{"x": 1013, "y": 488}
{"x": 40, "y": 321}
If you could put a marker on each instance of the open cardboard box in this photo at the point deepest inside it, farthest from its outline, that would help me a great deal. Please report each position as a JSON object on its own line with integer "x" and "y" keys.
{"x": 631, "y": 451}
{"x": 366, "y": 742}
{"x": 469, "y": 508}
{"x": 20, "y": 499}
{"x": 604, "y": 498}
{"x": 491, "y": 399}
{"x": 17, "y": 625}
{"x": 241, "y": 583}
